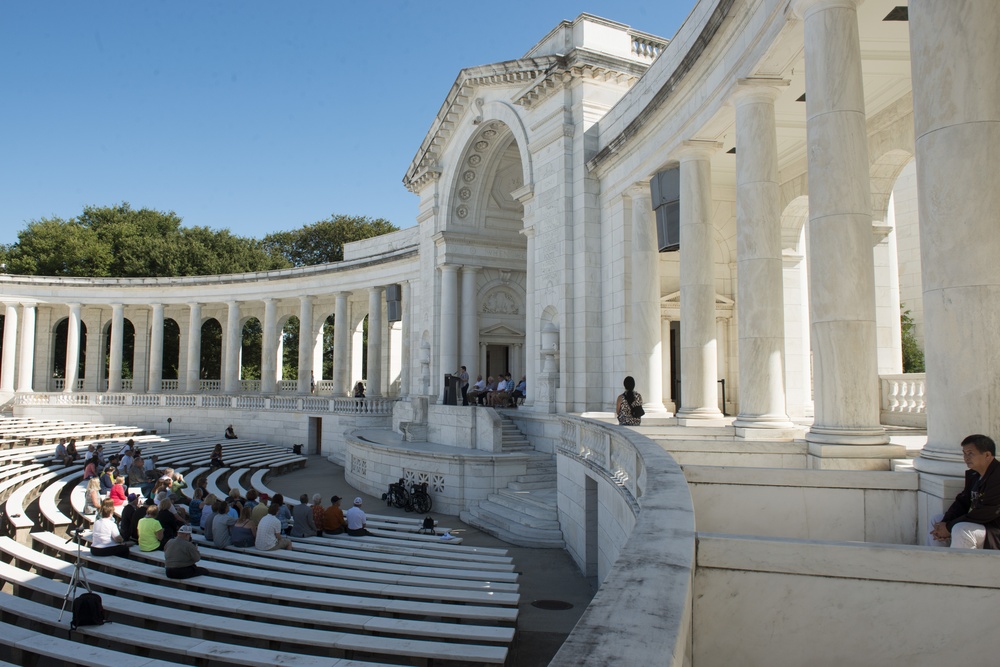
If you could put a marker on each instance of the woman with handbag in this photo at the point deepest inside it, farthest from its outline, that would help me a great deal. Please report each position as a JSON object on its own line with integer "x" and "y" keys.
{"x": 628, "y": 408}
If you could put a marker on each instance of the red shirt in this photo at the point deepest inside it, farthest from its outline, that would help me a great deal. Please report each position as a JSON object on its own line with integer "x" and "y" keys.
{"x": 117, "y": 494}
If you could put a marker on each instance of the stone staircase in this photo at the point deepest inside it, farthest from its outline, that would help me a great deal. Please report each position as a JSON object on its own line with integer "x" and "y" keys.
{"x": 525, "y": 513}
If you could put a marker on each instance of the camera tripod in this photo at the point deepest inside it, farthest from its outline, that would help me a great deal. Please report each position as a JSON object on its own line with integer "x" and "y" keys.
{"x": 79, "y": 573}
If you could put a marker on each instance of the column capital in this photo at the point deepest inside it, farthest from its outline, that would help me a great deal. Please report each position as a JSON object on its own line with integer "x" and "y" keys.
{"x": 73, "y": 305}
{"x": 449, "y": 268}
{"x": 469, "y": 268}
{"x": 376, "y": 289}
{"x": 695, "y": 149}
{"x": 306, "y": 298}
{"x": 156, "y": 306}
{"x": 118, "y": 307}
{"x": 524, "y": 194}
{"x": 757, "y": 90}
{"x": 801, "y": 9}
{"x": 639, "y": 190}
{"x": 528, "y": 232}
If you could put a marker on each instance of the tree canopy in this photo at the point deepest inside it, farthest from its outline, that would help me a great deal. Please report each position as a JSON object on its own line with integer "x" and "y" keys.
{"x": 323, "y": 241}
{"x": 121, "y": 242}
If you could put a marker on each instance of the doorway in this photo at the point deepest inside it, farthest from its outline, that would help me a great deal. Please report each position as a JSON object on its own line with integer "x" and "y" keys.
{"x": 497, "y": 359}
{"x": 315, "y": 435}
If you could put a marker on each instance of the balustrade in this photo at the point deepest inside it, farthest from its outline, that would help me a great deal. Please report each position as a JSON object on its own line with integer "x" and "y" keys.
{"x": 646, "y": 46}
{"x": 903, "y": 400}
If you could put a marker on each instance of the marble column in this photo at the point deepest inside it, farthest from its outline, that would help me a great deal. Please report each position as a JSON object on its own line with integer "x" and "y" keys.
{"x": 233, "y": 345}
{"x": 531, "y": 350}
{"x": 376, "y": 334}
{"x": 341, "y": 347}
{"x": 760, "y": 292}
{"x": 117, "y": 341}
{"x": 306, "y": 343}
{"x": 954, "y": 51}
{"x": 665, "y": 369}
{"x": 72, "y": 348}
{"x": 647, "y": 350}
{"x": 470, "y": 318}
{"x": 699, "y": 363}
{"x": 9, "y": 347}
{"x": 156, "y": 350}
{"x": 841, "y": 264}
{"x": 449, "y": 322}
{"x": 269, "y": 348}
{"x": 405, "y": 361}
{"x": 192, "y": 382}
{"x": 26, "y": 363}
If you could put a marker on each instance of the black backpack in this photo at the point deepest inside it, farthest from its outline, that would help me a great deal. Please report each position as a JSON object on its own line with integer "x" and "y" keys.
{"x": 428, "y": 526}
{"x": 87, "y": 610}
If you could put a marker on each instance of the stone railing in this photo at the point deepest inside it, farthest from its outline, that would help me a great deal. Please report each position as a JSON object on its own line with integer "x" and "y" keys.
{"x": 380, "y": 406}
{"x": 59, "y": 384}
{"x": 651, "y": 572}
{"x": 902, "y": 400}
{"x": 646, "y": 46}
{"x": 250, "y": 385}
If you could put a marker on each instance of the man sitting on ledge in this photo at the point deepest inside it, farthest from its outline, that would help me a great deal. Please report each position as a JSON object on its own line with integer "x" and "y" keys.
{"x": 973, "y": 520}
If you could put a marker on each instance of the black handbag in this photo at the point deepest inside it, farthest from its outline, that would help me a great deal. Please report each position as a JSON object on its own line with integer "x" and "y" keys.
{"x": 637, "y": 410}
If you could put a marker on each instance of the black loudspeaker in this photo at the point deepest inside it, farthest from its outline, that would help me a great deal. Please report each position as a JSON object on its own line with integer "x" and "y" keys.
{"x": 665, "y": 188}
{"x": 394, "y": 311}
{"x": 393, "y": 292}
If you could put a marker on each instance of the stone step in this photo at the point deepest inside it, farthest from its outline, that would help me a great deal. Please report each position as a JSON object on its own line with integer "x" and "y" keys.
{"x": 549, "y": 477}
{"x": 520, "y": 503}
{"x": 512, "y": 538}
{"x": 530, "y": 486}
{"x": 512, "y": 520}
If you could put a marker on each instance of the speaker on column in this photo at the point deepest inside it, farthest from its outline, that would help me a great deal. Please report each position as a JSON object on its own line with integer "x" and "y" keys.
{"x": 394, "y": 303}
{"x": 665, "y": 188}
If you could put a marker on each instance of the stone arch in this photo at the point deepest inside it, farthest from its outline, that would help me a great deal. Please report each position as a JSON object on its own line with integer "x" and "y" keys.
{"x": 171, "y": 349}
{"x": 210, "y": 364}
{"x": 884, "y": 171}
{"x": 484, "y": 178}
{"x": 251, "y": 347}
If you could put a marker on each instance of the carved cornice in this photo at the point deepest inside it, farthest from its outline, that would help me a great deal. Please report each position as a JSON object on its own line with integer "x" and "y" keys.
{"x": 511, "y": 72}
{"x": 581, "y": 64}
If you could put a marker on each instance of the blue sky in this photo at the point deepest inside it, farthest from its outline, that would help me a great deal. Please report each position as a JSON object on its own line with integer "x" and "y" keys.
{"x": 251, "y": 116}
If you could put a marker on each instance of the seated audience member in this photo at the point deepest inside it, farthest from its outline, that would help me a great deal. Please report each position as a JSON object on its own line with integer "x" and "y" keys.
{"x": 128, "y": 513}
{"x": 317, "y": 510}
{"x": 334, "y": 522}
{"x": 284, "y": 514}
{"x": 71, "y": 453}
{"x": 235, "y": 498}
{"x": 973, "y": 520}
{"x": 181, "y": 555}
{"x": 169, "y": 521}
{"x": 194, "y": 507}
{"x": 150, "y": 530}
{"x": 107, "y": 479}
{"x": 90, "y": 471}
{"x": 356, "y": 520}
{"x": 477, "y": 389}
{"x": 60, "y": 455}
{"x": 92, "y": 496}
{"x": 520, "y": 392}
{"x": 244, "y": 531}
{"x": 222, "y": 521}
{"x": 251, "y": 498}
{"x": 149, "y": 467}
{"x": 125, "y": 464}
{"x": 260, "y": 509}
{"x": 303, "y": 524}
{"x": 487, "y": 396}
{"x": 216, "y": 461}
{"x": 230, "y": 433}
{"x": 269, "y": 537}
{"x": 177, "y": 483}
{"x": 136, "y": 473}
{"x": 359, "y": 390}
{"x": 207, "y": 512}
{"x": 117, "y": 493}
{"x": 106, "y": 540}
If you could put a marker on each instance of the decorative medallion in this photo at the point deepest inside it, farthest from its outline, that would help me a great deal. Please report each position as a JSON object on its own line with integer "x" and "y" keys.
{"x": 489, "y": 134}
{"x": 462, "y": 211}
{"x": 482, "y": 145}
{"x": 475, "y": 159}
{"x": 500, "y": 302}
{"x": 469, "y": 176}
{"x": 464, "y": 194}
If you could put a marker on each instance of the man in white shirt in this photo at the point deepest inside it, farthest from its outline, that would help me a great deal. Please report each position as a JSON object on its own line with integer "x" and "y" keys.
{"x": 269, "y": 537}
{"x": 356, "y": 520}
{"x": 478, "y": 390}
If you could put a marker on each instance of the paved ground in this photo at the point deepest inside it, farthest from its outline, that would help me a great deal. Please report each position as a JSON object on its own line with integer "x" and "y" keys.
{"x": 546, "y": 574}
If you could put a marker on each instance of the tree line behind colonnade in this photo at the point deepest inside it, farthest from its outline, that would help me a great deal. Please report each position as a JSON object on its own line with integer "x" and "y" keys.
{"x": 121, "y": 242}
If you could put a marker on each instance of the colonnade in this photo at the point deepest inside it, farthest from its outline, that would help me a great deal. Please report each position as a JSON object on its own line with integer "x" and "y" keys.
{"x": 20, "y": 336}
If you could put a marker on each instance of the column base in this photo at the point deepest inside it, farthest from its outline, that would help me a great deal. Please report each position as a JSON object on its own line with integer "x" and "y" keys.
{"x": 821, "y": 435}
{"x": 940, "y": 468}
{"x": 702, "y": 417}
{"x": 853, "y": 457}
{"x": 759, "y": 432}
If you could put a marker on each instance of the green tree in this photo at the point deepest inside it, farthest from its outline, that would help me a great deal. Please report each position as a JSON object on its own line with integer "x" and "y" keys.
{"x": 913, "y": 356}
{"x": 323, "y": 242}
{"x": 56, "y": 247}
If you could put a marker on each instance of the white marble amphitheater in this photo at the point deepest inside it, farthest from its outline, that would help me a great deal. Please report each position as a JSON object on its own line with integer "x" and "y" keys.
{"x": 836, "y": 159}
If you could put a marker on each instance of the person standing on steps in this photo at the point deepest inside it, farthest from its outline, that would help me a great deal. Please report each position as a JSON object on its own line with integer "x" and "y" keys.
{"x": 628, "y": 407}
